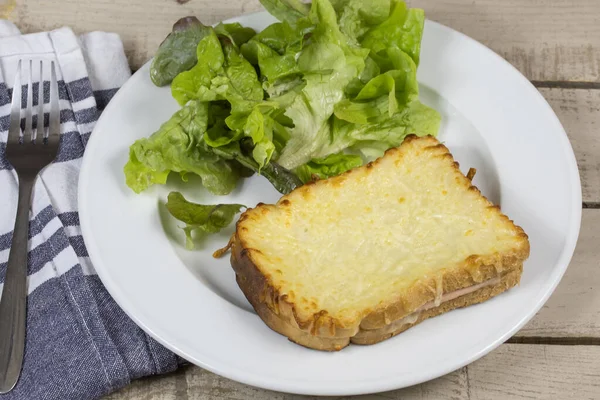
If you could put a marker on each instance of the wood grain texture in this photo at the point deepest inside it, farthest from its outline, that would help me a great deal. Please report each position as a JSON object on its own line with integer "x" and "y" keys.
{"x": 579, "y": 112}
{"x": 574, "y": 308}
{"x": 555, "y": 40}
{"x": 513, "y": 371}
{"x": 517, "y": 371}
{"x": 203, "y": 385}
{"x": 166, "y": 387}
{"x": 547, "y": 40}
{"x": 142, "y": 24}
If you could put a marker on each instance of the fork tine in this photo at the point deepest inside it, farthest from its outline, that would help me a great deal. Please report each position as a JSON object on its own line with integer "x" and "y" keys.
{"x": 14, "y": 130}
{"x": 39, "y": 129}
{"x": 54, "y": 117}
{"x": 28, "y": 132}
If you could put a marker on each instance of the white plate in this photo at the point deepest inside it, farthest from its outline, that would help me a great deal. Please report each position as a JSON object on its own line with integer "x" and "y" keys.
{"x": 493, "y": 120}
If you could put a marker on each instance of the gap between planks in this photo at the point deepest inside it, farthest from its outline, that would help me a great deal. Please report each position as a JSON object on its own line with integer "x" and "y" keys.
{"x": 591, "y": 204}
{"x": 566, "y": 84}
{"x": 555, "y": 341}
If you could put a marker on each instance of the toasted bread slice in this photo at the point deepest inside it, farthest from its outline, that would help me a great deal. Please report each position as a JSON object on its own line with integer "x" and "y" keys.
{"x": 363, "y": 256}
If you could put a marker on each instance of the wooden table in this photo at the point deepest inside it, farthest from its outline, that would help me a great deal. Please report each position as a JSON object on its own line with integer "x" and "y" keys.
{"x": 554, "y": 43}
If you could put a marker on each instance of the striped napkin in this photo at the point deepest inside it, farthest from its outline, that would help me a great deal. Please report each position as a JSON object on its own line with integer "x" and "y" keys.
{"x": 79, "y": 344}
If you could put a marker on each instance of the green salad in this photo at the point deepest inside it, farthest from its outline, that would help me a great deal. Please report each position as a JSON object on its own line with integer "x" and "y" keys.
{"x": 329, "y": 87}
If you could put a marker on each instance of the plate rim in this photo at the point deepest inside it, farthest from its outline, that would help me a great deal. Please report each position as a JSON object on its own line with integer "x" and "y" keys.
{"x": 372, "y": 386}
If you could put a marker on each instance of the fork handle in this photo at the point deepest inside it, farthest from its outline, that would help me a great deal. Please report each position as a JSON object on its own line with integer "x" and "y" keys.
{"x": 14, "y": 295}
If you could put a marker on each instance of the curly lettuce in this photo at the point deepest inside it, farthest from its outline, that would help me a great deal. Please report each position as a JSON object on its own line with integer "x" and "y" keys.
{"x": 332, "y": 84}
{"x": 178, "y": 146}
{"x": 326, "y": 167}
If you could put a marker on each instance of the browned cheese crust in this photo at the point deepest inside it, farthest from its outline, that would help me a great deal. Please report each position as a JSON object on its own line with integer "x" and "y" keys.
{"x": 323, "y": 332}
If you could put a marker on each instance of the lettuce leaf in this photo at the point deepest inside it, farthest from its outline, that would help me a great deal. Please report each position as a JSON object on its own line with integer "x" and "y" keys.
{"x": 402, "y": 29}
{"x": 235, "y": 32}
{"x": 356, "y": 17}
{"x": 283, "y": 92}
{"x": 282, "y": 179}
{"x": 384, "y": 94}
{"x": 195, "y": 83}
{"x": 177, "y": 52}
{"x": 328, "y": 64}
{"x": 200, "y": 218}
{"x": 178, "y": 146}
{"x": 375, "y": 105}
{"x": 229, "y": 77}
{"x": 286, "y": 10}
{"x": 332, "y": 78}
{"x": 218, "y": 133}
{"x": 259, "y": 127}
{"x": 274, "y": 50}
{"x": 332, "y": 165}
{"x": 238, "y": 84}
{"x": 373, "y": 138}
{"x": 220, "y": 74}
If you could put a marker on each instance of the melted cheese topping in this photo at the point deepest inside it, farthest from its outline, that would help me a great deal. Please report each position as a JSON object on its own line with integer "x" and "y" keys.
{"x": 355, "y": 242}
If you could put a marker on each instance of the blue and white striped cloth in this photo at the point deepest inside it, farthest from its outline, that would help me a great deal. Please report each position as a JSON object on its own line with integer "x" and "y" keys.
{"x": 79, "y": 344}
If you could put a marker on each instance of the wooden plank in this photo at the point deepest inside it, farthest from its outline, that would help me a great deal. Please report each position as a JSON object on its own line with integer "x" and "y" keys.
{"x": 203, "y": 385}
{"x": 516, "y": 371}
{"x": 555, "y": 40}
{"x": 171, "y": 386}
{"x": 547, "y": 40}
{"x": 513, "y": 371}
{"x": 194, "y": 383}
{"x": 574, "y": 308}
{"x": 579, "y": 112}
{"x": 142, "y": 24}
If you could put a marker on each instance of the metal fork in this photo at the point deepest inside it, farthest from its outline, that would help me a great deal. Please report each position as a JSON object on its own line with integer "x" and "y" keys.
{"x": 28, "y": 154}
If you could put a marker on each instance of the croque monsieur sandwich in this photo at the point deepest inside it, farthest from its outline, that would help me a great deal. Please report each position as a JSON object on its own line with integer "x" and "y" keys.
{"x": 368, "y": 254}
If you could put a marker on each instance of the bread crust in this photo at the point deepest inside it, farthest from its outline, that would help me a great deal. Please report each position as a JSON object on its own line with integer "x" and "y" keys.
{"x": 323, "y": 332}
{"x": 252, "y": 284}
{"x": 263, "y": 298}
{"x": 507, "y": 281}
